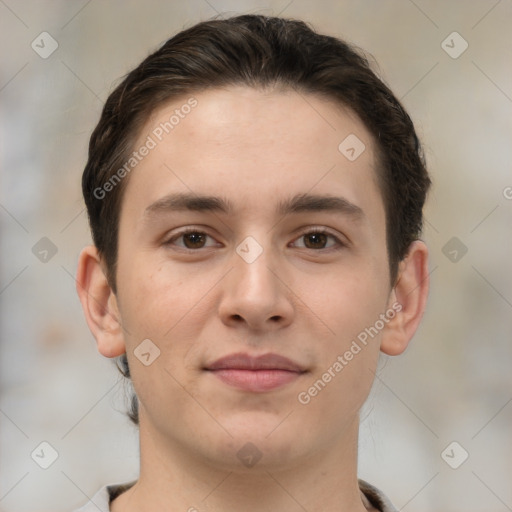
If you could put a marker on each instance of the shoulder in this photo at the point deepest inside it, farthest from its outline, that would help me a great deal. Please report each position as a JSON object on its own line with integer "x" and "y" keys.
{"x": 376, "y": 498}
{"x": 100, "y": 502}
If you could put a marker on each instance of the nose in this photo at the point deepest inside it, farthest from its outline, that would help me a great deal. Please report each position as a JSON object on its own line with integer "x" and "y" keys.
{"x": 255, "y": 295}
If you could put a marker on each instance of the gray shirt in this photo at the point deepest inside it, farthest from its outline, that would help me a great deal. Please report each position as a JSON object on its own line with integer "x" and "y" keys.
{"x": 101, "y": 500}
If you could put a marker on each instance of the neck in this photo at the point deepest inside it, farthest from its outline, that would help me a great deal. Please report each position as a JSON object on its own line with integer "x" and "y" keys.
{"x": 172, "y": 478}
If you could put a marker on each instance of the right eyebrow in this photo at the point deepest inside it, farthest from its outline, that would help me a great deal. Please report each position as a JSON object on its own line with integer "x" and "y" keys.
{"x": 188, "y": 201}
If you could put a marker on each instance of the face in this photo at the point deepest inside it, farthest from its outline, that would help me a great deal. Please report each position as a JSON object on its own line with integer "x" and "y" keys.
{"x": 252, "y": 255}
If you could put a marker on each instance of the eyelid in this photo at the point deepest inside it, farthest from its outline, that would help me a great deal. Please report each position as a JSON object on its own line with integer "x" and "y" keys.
{"x": 340, "y": 243}
{"x": 169, "y": 240}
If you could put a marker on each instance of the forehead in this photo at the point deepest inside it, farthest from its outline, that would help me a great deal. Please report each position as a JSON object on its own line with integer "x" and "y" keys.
{"x": 254, "y": 147}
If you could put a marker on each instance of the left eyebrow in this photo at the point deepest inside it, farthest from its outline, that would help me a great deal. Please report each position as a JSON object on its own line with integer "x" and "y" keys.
{"x": 316, "y": 203}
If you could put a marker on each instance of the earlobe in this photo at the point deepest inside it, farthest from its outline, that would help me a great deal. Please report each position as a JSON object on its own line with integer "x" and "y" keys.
{"x": 409, "y": 296}
{"x": 99, "y": 304}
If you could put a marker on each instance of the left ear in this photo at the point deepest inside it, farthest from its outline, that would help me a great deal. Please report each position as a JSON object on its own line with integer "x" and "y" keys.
{"x": 408, "y": 298}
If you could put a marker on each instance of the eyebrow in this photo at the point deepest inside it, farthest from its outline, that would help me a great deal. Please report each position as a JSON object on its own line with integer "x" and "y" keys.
{"x": 296, "y": 204}
{"x": 317, "y": 203}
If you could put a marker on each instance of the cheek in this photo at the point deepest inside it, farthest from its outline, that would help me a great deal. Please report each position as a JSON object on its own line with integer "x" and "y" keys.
{"x": 351, "y": 301}
{"x": 351, "y": 306}
{"x": 158, "y": 305}
{"x": 146, "y": 304}
{"x": 165, "y": 302}
{"x": 342, "y": 379}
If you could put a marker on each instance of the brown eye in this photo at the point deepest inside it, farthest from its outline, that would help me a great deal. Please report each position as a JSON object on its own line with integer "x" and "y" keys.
{"x": 315, "y": 240}
{"x": 318, "y": 240}
{"x": 194, "y": 240}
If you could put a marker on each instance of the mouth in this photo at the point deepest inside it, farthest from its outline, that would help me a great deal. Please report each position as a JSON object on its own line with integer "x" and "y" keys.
{"x": 256, "y": 374}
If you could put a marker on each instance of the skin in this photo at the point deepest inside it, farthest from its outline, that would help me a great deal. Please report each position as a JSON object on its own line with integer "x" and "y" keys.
{"x": 305, "y": 298}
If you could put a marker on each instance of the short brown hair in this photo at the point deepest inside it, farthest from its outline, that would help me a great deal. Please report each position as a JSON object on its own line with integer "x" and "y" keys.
{"x": 260, "y": 52}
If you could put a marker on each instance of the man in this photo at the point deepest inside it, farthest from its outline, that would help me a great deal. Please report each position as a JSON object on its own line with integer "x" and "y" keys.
{"x": 255, "y": 196}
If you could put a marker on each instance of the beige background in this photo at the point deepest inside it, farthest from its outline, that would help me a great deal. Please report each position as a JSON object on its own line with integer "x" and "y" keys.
{"x": 454, "y": 382}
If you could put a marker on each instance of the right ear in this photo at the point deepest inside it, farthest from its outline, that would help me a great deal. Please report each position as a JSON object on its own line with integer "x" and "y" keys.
{"x": 99, "y": 303}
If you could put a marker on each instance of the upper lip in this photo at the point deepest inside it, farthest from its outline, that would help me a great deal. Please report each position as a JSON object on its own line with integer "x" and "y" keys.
{"x": 242, "y": 361}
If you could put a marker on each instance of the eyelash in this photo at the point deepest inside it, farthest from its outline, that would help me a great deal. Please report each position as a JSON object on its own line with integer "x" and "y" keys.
{"x": 311, "y": 231}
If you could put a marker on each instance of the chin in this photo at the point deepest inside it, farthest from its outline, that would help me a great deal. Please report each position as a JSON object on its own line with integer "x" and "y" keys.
{"x": 258, "y": 442}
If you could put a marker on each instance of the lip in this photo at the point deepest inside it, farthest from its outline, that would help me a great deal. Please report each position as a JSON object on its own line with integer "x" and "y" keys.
{"x": 256, "y": 374}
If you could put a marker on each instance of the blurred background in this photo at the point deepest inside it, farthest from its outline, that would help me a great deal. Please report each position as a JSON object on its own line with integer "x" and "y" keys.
{"x": 436, "y": 431}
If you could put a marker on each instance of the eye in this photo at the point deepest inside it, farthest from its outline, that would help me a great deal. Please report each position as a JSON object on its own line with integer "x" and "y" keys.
{"x": 191, "y": 239}
{"x": 318, "y": 239}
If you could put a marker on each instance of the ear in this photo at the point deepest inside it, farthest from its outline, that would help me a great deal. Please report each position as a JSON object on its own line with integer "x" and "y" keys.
{"x": 99, "y": 304}
{"x": 408, "y": 299}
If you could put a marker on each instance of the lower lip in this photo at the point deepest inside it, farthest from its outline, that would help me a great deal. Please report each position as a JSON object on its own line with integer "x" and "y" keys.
{"x": 256, "y": 381}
